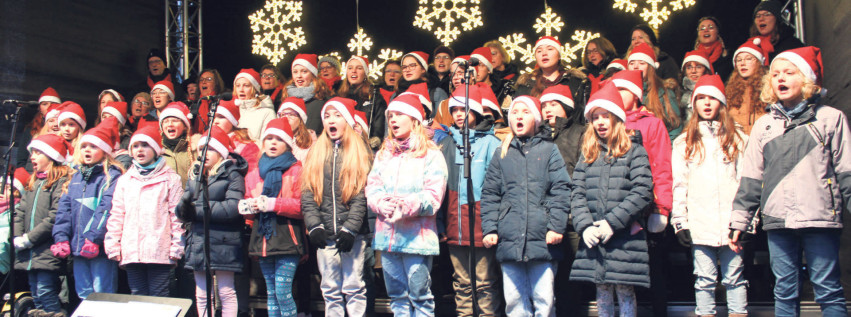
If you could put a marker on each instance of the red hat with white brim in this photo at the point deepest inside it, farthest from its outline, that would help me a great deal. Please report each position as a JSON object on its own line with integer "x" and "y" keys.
{"x": 643, "y": 52}
{"x": 710, "y": 85}
{"x": 54, "y": 146}
{"x": 251, "y": 75}
{"x": 532, "y": 103}
{"x": 630, "y": 80}
{"x": 49, "y": 95}
{"x": 344, "y": 106}
{"x": 308, "y": 61}
{"x": 608, "y": 98}
{"x": 72, "y": 110}
{"x": 408, "y": 104}
{"x": 297, "y": 105}
{"x": 559, "y": 93}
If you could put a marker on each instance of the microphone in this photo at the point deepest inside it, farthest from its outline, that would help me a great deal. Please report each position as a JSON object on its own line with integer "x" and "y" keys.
{"x": 473, "y": 62}
{"x": 221, "y": 96}
{"x": 21, "y": 103}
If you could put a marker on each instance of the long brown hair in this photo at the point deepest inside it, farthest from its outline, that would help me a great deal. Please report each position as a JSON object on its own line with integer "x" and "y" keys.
{"x": 537, "y": 76}
{"x": 666, "y": 110}
{"x": 736, "y": 88}
{"x": 731, "y": 142}
{"x": 357, "y": 161}
{"x": 618, "y": 143}
{"x": 360, "y": 92}
{"x": 54, "y": 174}
{"x": 36, "y": 125}
{"x": 302, "y": 135}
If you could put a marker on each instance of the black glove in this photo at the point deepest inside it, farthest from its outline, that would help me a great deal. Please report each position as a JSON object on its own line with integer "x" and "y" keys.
{"x": 744, "y": 237}
{"x": 345, "y": 241}
{"x": 318, "y": 238}
{"x": 685, "y": 237}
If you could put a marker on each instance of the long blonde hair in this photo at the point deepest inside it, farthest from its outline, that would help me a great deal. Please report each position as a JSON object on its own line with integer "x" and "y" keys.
{"x": 420, "y": 142}
{"x": 107, "y": 161}
{"x": 618, "y": 143}
{"x": 768, "y": 95}
{"x": 357, "y": 162}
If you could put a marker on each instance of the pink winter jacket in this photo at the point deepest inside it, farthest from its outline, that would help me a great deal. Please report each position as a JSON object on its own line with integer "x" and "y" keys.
{"x": 142, "y": 226}
{"x": 654, "y": 138}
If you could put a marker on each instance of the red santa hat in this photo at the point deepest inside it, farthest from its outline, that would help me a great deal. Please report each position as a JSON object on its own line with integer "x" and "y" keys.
{"x": 54, "y": 146}
{"x": 608, "y": 98}
{"x": 643, "y": 52}
{"x": 630, "y": 80}
{"x": 559, "y": 93}
{"x": 117, "y": 109}
{"x": 807, "y": 59}
{"x": 308, "y": 61}
{"x": 344, "y": 106}
{"x": 219, "y": 141}
{"x": 104, "y": 135}
{"x": 548, "y": 40}
{"x": 150, "y": 135}
{"x": 362, "y": 60}
{"x": 118, "y": 97}
{"x": 421, "y": 91}
{"x": 166, "y": 86}
{"x": 753, "y": 46}
{"x": 408, "y": 104}
{"x": 53, "y": 111}
{"x": 420, "y": 56}
{"x": 483, "y": 54}
{"x": 488, "y": 98}
{"x": 360, "y": 118}
{"x": 710, "y": 85}
{"x": 229, "y": 110}
{"x": 178, "y": 110}
{"x": 72, "y": 110}
{"x": 296, "y": 104}
{"x": 458, "y": 61}
{"x": 21, "y": 178}
{"x": 251, "y": 75}
{"x": 532, "y": 103}
{"x": 617, "y": 64}
{"x": 700, "y": 57}
{"x": 49, "y": 95}
{"x": 281, "y": 128}
{"x": 457, "y": 99}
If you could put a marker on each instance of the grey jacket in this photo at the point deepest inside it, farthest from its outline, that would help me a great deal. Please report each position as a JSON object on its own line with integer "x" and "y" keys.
{"x": 35, "y": 216}
{"x": 334, "y": 215}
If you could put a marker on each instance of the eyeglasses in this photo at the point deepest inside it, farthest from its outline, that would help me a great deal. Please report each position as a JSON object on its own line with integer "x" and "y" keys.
{"x": 745, "y": 59}
{"x": 762, "y": 15}
{"x": 410, "y": 66}
{"x": 707, "y": 27}
{"x": 206, "y": 79}
{"x": 159, "y": 92}
{"x": 593, "y": 51}
{"x": 269, "y": 75}
{"x": 392, "y": 71}
{"x": 695, "y": 67}
{"x": 327, "y": 67}
{"x": 292, "y": 114}
{"x": 442, "y": 57}
{"x": 138, "y": 102}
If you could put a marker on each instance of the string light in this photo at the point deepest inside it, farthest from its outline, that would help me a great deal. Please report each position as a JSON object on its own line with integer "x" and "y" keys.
{"x": 275, "y": 30}
{"x": 448, "y": 12}
{"x": 360, "y": 43}
{"x": 656, "y": 12}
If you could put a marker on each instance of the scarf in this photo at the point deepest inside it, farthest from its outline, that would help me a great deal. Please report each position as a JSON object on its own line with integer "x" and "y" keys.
{"x": 795, "y": 111}
{"x": 147, "y": 169}
{"x": 172, "y": 144}
{"x": 86, "y": 171}
{"x": 305, "y": 93}
{"x": 153, "y": 80}
{"x": 402, "y": 146}
{"x": 271, "y": 170}
{"x": 595, "y": 81}
{"x": 714, "y": 50}
{"x": 41, "y": 175}
{"x": 765, "y": 44}
{"x": 331, "y": 82}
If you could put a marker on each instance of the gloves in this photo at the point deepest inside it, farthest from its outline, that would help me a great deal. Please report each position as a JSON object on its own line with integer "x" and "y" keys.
{"x": 61, "y": 249}
{"x": 386, "y": 208}
{"x": 245, "y": 208}
{"x": 345, "y": 241}
{"x": 685, "y": 237}
{"x": 591, "y": 236}
{"x": 318, "y": 237}
{"x": 605, "y": 230}
{"x": 266, "y": 204}
{"x": 90, "y": 250}
{"x": 22, "y": 243}
{"x": 657, "y": 223}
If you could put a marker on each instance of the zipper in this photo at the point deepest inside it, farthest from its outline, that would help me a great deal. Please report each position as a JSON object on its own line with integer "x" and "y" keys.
{"x": 334, "y": 188}
{"x": 526, "y": 226}
{"x": 460, "y": 226}
{"x": 32, "y": 220}
{"x": 832, "y": 202}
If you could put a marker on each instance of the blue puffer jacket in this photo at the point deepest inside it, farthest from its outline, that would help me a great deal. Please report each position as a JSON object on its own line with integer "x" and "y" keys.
{"x": 526, "y": 194}
{"x": 616, "y": 191}
{"x": 84, "y": 209}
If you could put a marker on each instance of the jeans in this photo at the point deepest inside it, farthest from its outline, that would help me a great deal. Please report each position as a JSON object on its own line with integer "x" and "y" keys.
{"x": 227, "y": 293}
{"x": 148, "y": 279}
{"x": 408, "y": 283}
{"x": 487, "y": 274}
{"x": 821, "y": 247}
{"x": 279, "y": 273}
{"x": 342, "y": 282}
{"x": 528, "y": 288}
{"x": 98, "y": 275}
{"x": 44, "y": 286}
{"x": 706, "y": 279}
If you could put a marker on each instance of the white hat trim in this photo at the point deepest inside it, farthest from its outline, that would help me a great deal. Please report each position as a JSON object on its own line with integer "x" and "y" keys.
{"x": 226, "y": 113}
{"x": 490, "y": 104}
{"x": 215, "y": 144}
{"x": 307, "y": 65}
{"x": 419, "y": 59}
{"x": 632, "y": 87}
{"x": 404, "y": 108}
{"x": 47, "y": 150}
{"x": 699, "y": 59}
{"x": 165, "y": 88}
{"x": 294, "y": 107}
{"x": 615, "y": 65}
{"x": 52, "y": 113}
{"x": 607, "y": 105}
{"x": 147, "y": 140}
{"x": 644, "y": 58}
{"x": 361, "y": 61}
{"x": 115, "y": 113}
{"x": 279, "y": 133}
{"x": 172, "y": 112}
{"x": 360, "y": 121}
{"x": 483, "y": 60}
{"x": 547, "y": 42}
{"x": 529, "y": 104}
{"x": 88, "y": 138}
{"x": 422, "y": 99}
{"x": 799, "y": 62}
{"x": 53, "y": 99}
{"x": 752, "y": 51}
{"x": 341, "y": 108}
{"x": 557, "y": 97}
{"x": 708, "y": 90}
{"x": 250, "y": 80}
{"x": 73, "y": 116}
{"x": 17, "y": 184}
{"x": 459, "y": 102}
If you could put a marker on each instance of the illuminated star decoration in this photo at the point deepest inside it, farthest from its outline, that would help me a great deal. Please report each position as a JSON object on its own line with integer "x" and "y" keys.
{"x": 658, "y": 11}
{"x": 448, "y": 12}
{"x": 275, "y": 30}
{"x": 548, "y": 24}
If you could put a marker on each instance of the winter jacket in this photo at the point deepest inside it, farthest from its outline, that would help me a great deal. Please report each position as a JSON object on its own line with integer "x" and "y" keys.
{"x": 289, "y": 237}
{"x": 704, "y": 187}
{"x": 795, "y": 170}
{"x": 85, "y": 208}
{"x": 567, "y": 135}
{"x": 179, "y": 160}
{"x": 249, "y": 151}
{"x": 314, "y": 115}
{"x": 654, "y": 139}
{"x": 673, "y": 132}
{"x": 226, "y": 186}
{"x": 525, "y": 195}
{"x": 785, "y": 41}
{"x": 668, "y": 67}
{"x": 614, "y": 190}
{"x": 571, "y": 78}
{"x": 509, "y": 73}
{"x": 376, "y": 119}
{"x": 435, "y": 80}
{"x": 35, "y": 215}
{"x": 685, "y": 99}
{"x": 455, "y": 209}
{"x": 420, "y": 183}
{"x": 333, "y": 214}
{"x": 142, "y": 226}
{"x": 255, "y": 117}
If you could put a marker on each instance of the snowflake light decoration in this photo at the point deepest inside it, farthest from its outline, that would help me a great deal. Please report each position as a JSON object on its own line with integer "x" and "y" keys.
{"x": 547, "y": 24}
{"x": 448, "y": 12}
{"x": 275, "y": 31}
{"x": 384, "y": 55}
{"x": 657, "y": 13}
{"x": 360, "y": 43}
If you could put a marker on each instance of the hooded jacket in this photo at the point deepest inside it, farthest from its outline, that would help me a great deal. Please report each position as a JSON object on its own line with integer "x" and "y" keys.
{"x": 255, "y": 117}
{"x": 657, "y": 145}
{"x": 35, "y": 215}
{"x": 84, "y": 210}
{"x": 179, "y": 159}
{"x": 333, "y": 214}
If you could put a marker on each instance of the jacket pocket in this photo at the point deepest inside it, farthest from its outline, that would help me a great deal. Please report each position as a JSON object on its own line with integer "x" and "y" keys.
{"x": 504, "y": 207}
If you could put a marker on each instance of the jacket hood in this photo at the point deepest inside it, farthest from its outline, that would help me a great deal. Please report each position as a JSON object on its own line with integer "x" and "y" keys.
{"x": 638, "y": 114}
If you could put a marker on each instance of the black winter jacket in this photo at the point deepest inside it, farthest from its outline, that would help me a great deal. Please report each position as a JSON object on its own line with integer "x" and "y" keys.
{"x": 34, "y": 216}
{"x": 314, "y": 115}
{"x": 334, "y": 215}
{"x": 567, "y": 135}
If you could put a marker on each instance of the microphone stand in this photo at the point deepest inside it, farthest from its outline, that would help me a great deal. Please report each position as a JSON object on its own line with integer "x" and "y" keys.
{"x": 201, "y": 183}
{"x": 7, "y": 169}
{"x": 467, "y": 153}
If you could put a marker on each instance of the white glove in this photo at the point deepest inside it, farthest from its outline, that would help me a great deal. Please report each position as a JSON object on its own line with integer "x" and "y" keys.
{"x": 264, "y": 204}
{"x": 22, "y": 243}
{"x": 244, "y": 207}
{"x": 605, "y": 230}
{"x": 591, "y": 236}
{"x": 657, "y": 223}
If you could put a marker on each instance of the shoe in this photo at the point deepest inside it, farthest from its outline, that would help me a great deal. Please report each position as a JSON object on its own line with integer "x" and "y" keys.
{"x": 35, "y": 312}
{"x": 738, "y": 315}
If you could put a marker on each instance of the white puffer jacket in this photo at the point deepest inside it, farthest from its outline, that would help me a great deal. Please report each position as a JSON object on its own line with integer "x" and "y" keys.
{"x": 704, "y": 190}
{"x": 254, "y": 117}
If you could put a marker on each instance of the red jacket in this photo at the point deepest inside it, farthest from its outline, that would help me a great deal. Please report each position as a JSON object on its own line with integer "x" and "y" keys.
{"x": 655, "y": 139}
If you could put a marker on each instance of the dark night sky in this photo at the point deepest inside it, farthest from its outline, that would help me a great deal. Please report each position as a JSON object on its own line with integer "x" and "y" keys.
{"x": 329, "y": 25}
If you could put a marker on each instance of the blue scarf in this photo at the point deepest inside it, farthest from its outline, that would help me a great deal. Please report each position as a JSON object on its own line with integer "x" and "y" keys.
{"x": 146, "y": 169}
{"x": 271, "y": 170}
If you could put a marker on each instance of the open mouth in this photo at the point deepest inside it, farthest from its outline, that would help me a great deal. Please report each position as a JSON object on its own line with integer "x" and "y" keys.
{"x": 395, "y": 128}
{"x": 241, "y": 95}
{"x": 602, "y": 130}
{"x": 545, "y": 60}
{"x": 87, "y": 157}
{"x": 273, "y": 149}
{"x": 706, "y": 35}
{"x": 519, "y": 126}
{"x": 299, "y": 82}
{"x": 783, "y": 88}
{"x": 332, "y": 130}
{"x": 171, "y": 131}
{"x": 762, "y": 25}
